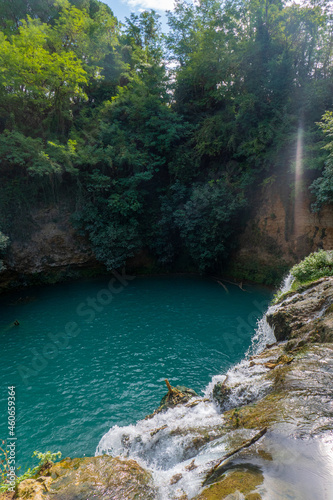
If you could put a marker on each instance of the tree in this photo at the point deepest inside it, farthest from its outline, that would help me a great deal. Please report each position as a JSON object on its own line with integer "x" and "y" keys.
{"x": 207, "y": 221}
{"x": 46, "y": 68}
{"x": 129, "y": 149}
{"x": 322, "y": 187}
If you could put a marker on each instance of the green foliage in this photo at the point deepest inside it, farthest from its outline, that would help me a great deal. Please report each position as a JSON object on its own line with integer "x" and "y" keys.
{"x": 44, "y": 459}
{"x": 46, "y": 67}
{"x": 126, "y": 158}
{"x": 153, "y": 154}
{"x": 322, "y": 187}
{"x": 200, "y": 219}
{"x": 113, "y": 227}
{"x": 315, "y": 266}
{"x": 24, "y": 156}
{"x": 207, "y": 220}
{"x": 249, "y": 71}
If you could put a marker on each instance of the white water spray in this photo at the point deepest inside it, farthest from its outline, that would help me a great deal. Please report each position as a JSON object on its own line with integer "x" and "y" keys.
{"x": 264, "y": 333}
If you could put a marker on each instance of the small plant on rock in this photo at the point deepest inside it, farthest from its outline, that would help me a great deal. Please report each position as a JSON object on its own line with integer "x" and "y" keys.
{"x": 315, "y": 266}
{"x": 45, "y": 460}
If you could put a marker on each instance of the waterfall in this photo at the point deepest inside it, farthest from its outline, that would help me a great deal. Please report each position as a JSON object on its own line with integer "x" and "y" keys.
{"x": 264, "y": 334}
{"x": 286, "y": 284}
{"x": 169, "y": 443}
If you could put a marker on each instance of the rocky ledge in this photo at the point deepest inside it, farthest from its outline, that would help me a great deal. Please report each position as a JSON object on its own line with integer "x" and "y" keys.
{"x": 47, "y": 249}
{"x": 265, "y": 432}
{"x": 304, "y": 316}
{"x": 97, "y": 478}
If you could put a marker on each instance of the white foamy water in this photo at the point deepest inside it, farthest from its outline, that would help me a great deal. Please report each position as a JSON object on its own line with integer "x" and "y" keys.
{"x": 180, "y": 446}
{"x": 264, "y": 333}
{"x": 286, "y": 284}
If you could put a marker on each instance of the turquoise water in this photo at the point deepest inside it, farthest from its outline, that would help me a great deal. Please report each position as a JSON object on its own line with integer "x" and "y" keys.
{"x": 119, "y": 346}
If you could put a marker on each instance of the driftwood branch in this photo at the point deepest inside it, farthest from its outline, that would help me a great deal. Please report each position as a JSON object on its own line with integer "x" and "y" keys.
{"x": 248, "y": 443}
{"x": 240, "y": 285}
{"x": 220, "y": 283}
{"x": 169, "y": 386}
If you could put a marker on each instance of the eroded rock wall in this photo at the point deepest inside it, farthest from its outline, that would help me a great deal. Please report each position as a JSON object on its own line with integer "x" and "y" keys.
{"x": 47, "y": 246}
{"x": 280, "y": 231}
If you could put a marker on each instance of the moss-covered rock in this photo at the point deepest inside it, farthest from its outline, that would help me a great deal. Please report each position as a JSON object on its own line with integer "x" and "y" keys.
{"x": 98, "y": 478}
{"x": 178, "y": 395}
{"x": 242, "y": 480}
{"x": 221, "y": 392}
{"x": 33, "y": 489}
{"x": 306, "y": 314}
{"x": 307, "y": 379}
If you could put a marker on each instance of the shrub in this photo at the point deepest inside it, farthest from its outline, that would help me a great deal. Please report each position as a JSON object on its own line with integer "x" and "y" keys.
{"x": 44, "y": 459}
{"x": 315, "y": 266}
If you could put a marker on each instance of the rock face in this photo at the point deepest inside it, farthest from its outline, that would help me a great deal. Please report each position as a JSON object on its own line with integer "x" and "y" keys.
{"x": 294, "y": 403}
{"x": 280, "y": 231}
{"x": 98, "y": 478}
{"x": 306, "y": 315}
{"x": 242, "y": 481}
{"x": 49, "y": 245}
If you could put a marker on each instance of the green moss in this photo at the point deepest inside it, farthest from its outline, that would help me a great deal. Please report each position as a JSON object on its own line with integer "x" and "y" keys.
{"x": 280, "y": 297}
{"x": 243, "y": 480}
{"x": 256, "y": 416}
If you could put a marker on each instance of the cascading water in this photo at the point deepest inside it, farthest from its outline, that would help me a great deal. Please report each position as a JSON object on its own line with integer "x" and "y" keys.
{"x": 264, "y": 333}
{"x": 180, "y": 445}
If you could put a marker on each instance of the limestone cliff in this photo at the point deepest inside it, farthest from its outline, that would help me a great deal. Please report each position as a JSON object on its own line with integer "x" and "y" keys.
{"x": 47, "y": 246}
{"x": 280, "y": 231}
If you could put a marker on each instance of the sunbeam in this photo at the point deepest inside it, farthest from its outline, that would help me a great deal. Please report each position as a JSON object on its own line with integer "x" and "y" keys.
{"x": 298, "y": 179}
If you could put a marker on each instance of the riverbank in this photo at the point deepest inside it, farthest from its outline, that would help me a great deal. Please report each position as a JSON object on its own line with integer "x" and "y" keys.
{"x": 262, "y": 432}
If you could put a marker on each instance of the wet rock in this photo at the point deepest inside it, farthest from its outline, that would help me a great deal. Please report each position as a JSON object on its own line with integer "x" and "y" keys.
{"x": 7, "y": 495}
{"x": 100, "y": 478}
{"x": 284, "y": 359}
{"x": 242, "y": 480}
{"x": 178, "y": 395}
{"x": 176, "y": 478}
{"x": 221, "y": 393}
{"x": 305, "y": 313}
{"x": 155, "y": 431}
{"x": 300, "y": 398}
{"x": 33, "y": 489}
{"x": 191, "y": 466}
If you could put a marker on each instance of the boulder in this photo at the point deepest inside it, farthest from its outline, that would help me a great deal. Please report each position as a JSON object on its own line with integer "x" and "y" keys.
{"x": 306, "y": 314}
{"x": 98, "y": 478}
{"x": 178, "y": 395}
{"x": 221, "y": 393}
